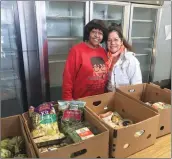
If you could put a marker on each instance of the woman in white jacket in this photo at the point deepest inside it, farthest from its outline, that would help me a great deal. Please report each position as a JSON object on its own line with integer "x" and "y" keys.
{"x": 124, "y": 68}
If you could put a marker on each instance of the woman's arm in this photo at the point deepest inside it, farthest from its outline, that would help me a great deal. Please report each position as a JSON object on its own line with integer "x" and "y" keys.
{"x": 135, "y": 72}
{"x": 69, "y": 75}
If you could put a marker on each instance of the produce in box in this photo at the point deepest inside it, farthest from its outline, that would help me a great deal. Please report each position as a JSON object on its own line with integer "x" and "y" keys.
{"x": 13, "y": 147}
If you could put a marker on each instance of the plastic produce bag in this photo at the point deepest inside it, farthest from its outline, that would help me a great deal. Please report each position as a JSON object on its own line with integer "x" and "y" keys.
{"x": 71, "y": 111}
{"x": 44, "y": 120}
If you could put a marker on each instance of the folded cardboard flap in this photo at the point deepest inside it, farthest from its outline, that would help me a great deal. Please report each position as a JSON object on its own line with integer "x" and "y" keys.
{"x": 28, "y": 144}
{"x": 155, "y": 85}
{"x": 133, "y": 90}
{"x": 167, "y": 90}
{"x": 13, "y": 126}
{"x": 11, "y": 123}
{"x": 156, "y": 94}
{"x": 27, "y": 125}
{"x": 87, "y": 147}
{"x": 132, "y": 109}
{"x": 147, "y": 92}
{"x": 98, "y": 103}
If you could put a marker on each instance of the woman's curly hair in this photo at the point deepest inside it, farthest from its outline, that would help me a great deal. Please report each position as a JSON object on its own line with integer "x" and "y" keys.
{"x": 95, "y": 24}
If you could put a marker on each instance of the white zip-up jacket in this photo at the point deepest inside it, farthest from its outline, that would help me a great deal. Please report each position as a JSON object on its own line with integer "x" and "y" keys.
{"x": 126, "y": 71}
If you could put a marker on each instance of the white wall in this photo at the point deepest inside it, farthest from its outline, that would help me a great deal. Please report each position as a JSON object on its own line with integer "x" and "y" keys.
{"x": 163, "y": 49}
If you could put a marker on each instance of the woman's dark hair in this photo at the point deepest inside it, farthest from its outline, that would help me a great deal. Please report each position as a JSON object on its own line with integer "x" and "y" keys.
{"x": 117, "y": 28}
{"x": 95, "y": 24}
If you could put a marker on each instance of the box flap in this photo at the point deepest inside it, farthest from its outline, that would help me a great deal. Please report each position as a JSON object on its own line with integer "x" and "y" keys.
{"x": 28, "y": 144}
{"x": 156, "y": 94}
{"x": 132, "y": 109}
{"x": 136, "y": 91}
{"x": 147, "y": 92}
{"x": 98, "y": 103}
{"x": 11, "y": 123}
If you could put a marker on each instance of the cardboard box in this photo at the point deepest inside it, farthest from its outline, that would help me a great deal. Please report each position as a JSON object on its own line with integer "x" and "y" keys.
{"x": 94, "y": 147}
{"x": 151, "y": 92}
{"x": 13, "y": 126}
{"x": 123, "y": 143}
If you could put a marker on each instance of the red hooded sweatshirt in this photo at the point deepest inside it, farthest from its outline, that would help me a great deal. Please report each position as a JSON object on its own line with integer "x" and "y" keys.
{"x": 85, "y": 72}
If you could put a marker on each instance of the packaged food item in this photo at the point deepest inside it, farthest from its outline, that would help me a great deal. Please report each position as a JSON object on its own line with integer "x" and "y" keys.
{"x": 73, "y": 131}
{"x": 63, "y": 105}
{"x": 84, "y": 133}
{"x": 45, "y": 127}
{"x": 106, "y": 114}
{"x": 158, "y": 105}
{"x": 44, "y": 120}
{"x": 107, "y": 118}
{"x": 71, "y": 112}
{"x": 77, "y": 105}
{"x": 148, "y": 103}
{"x": 125, "y": 122}
{"x": 114, "y": 119}
{"x": 71, "y": 116}
{"x": 167, "y": 106}
{"x": 72, "y": 105}
{"x": 72, "y": 120}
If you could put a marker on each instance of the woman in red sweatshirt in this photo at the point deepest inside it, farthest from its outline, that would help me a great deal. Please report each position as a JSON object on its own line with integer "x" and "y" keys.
{"x": 86, "y": 72}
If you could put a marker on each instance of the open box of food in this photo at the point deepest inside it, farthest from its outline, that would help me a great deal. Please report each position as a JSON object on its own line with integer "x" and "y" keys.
{"x": 152, "y": 93}
{"x": 127, "y": 140}
{"x": 96, "y": 146}
{"x": 13, "y": 128}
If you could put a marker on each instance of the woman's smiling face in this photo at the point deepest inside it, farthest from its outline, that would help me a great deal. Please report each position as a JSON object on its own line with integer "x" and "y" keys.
{"x": 96, "y": 37}
{"x": 114, "y": 42}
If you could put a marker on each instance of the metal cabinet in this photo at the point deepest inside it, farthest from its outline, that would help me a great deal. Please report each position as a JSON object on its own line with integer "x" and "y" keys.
{"x": 160, "y": 2}
{"x": 142, "y": 35}
{"x": 11, "y": 59}
{"x": 111, "y": 12}
{"x": 139, "y": 23}
{"x": 62, "y": 24}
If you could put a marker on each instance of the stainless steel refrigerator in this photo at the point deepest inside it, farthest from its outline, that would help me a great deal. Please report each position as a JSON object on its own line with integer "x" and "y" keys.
{"x": 13, "y": 90}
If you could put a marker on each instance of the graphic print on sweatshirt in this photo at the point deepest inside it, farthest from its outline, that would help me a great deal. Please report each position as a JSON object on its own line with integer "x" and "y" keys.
{"x": 100, "y": 74}
{"x": 99, "y": 68}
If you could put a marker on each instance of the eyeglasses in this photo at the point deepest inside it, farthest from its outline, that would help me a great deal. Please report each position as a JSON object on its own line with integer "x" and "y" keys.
{"x": 113, "y": 40}
{"x": 100, "y": 33}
